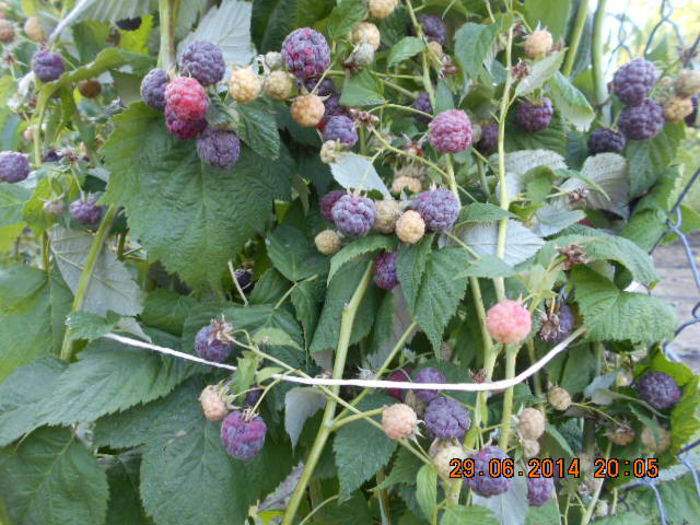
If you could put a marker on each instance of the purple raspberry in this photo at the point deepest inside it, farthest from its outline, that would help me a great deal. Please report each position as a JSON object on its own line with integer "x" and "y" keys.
{"x": 438, "y": 208}
{"x": 556, "y": 329}
{"x": 243, "y": 435}
{"x": 642, "y": 122}
{"x": 423, "y": 104}
{"x": 341, "y": 128}
{"x": 659, "y": 389}
{"x": 184, "y": 129}
{"x": 485, "y": 485}
{"x": 253, "y": 397}
{"x": 245, "y": 280}
{"x": 333, "y": 107}
{"x": 429, "y": 375}
{"x": 634, "y": 81}
{"x": 153, "y": 88}
{"x": 488, "y": 143}
{"x": 86, "y": 211}
{"x": 451, "y": 131}
{"x": 354, "y": 216}
{"x": 328, "y": 201}
{"x": 402, "y": 375}
{"x": 219, "y": 148}
{"x": 532, "y": 118}
{"x": 48, "y": 66}
{"x": 606, "y": 140}
{"x": 434, "y": 28}
{"x": 306, "y": 53}
{"x": 14, "y": 167}
{"x": 447, "y": 418}
{"x": 690, "y": 119}
{"x": 52, "y": 156}
{"x": 129, "y": 24}
{"x": 210, "y": 344}
{"x": 323, "y": 89}
{"x": 385, "y": 270}
{"x": 203, "y": 61}
{"x": 539, "y": 491}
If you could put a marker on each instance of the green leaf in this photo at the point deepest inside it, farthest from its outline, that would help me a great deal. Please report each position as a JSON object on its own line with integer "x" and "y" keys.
{"x": 547, "y": 514}
{"x": 275, "y": 337}
{"x": 52, "y": 479}
{"x": 345, "y": 16}
{"x": 459, "y": 514}
{"x": 355, "y": 468}
{"x": 300, "y": 404}
{"x": 524, "y": 161}
{"x": 611, "y": 314}
{"x": 550, "y": 15}
{"x": 488, "y": 266}
{"x": 541, "y": 72}
{"x": 555, "y": 443}
{"x": 624, "y": 518}
{"x": 570, "y": 102}
{"x": 167, "y": 310}
{"x": 403, "y": 470}
{"x": 473, "y": 43}
{"x": 444, "y": 100}
{"x": 362, "y": 246}
{"x": 410, "y": 267}
{"x": 124, "y": 502}
{"x": 269, "y": 288}
{"x": 84, "y": 325}
{"x": 552, "y": 138}
{"x": 23, "y": 393}
{"x": 521, "y": 243}
{"x": 33, "y": 308}
{"x": 362, "y": 89}
{"x": 426, "y": 490}
{"x": 183, "y": 211}
{"x": 648, "y": 159}
{"x": 483, "y": 212}
{"x": 306, "y": 298}
{"x": 405, "y": 48}
{"x": 258, "y": 129}
{"x": 355, "y": 172}
{"x": 12, "y": 199}
{"x": 684, "y": 418}
{"x": 509, "y": 508}
{"x": 271, "y": 23}
{"x": 293, "y": 254}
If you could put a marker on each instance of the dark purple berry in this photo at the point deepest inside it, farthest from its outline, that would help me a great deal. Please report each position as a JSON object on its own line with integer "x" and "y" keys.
{"x": 219, "y": 148}
{"x": 428, "y": 375}
{"x": 447, "y": 418}
{"x": 48, "y": 66}
{"x": 486, "y": 485}
{"x": 342, "y": 129}
{"x": 434, "y": 28}
{"x": 86, "y": 211}
{"x": 659, "y": 389}
{"x": 634, "y": 81}
{"x": 642, "y": 122}
{"x": 532, "y": 118}
{"x": 333, "y": 107}
{"x": 243, "y": 435}
{"x": 606, "y": 140}
{"x": 210, "y": 343}
{"x": 306, "y": 53}
{"x": 245, "y": 280}
{"x": 354, "y": 216}
{"x": 385, "y": 270}
{"x": 328, "y": 201}
{"x": 439, "y": 209}
{"x": 558, "y": 327}
{"x": 423, "y": 104}
{"x": 488, "y": 143}
{"x": 253, "y": 397}
{"x": 690, "y": 119}
{"x": 325, "y": 88}
{"x": 129, "y": 24}
{"x": 14, "y": 167}
{"x": 401, "y": 375}
{"x": 184, "y": 129}
{"x": 539, "y": 491}
{"x": 153, "y": 88}
{"x": 203, "y": 61}
{"x": 52, "y": 156}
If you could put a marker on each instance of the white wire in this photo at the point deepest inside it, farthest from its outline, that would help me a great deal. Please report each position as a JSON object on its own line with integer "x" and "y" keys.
{"x": 372, "y": 383}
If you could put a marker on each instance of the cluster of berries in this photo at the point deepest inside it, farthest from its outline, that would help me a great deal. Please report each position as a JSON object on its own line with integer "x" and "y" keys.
{"x": 534, "y": 115}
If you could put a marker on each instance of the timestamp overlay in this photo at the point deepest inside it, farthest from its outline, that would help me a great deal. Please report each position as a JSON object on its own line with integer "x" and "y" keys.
{"x": 555, "y": 468}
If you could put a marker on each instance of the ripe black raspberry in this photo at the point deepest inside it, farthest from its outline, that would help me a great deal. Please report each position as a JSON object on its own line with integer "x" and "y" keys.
{"x": 487, "y": 486}
{"x": 306, "y": 53}
{"x": 434, "y": 28}
{"x": 642, "y": 122}
{"x": 186, "y": 98}
{"x": 354, "y": 216}
{"x": 253, "y": 397}
{"x": 385, "y": 270}
{"x": 423, "y": 104}
{"x": 245, "y": 280}
{"x": 690, "y": 119}
{"x": 183, "y": 129}
{"x": 153, "y": 88}
{"x": 333, "y": 107}
{"x": 211, "y": 344}
{"x": 86, "y": 211}
{"x": 438, "y": 208}
{"x": 539, "y": 491}
{"x": 401, "y": 375}
{"x": 243, "y": 434}
{"x": 451, "y": 131}
{"x": 659, "y": 389}
{"x": 488, "y": 143}
{"x": 447, "y": 418}
{"x": 342, "y": 129}
{"x": 558, "y": 325}
{"x": 428, "y": 375}
{"x": 532, "y": 118}
{"x": 328, "y": 201}
{"x": 323, "y": 88}
{"x": 203, "y": 61}
{"x": 606, "y": 140}
{"x": 129, "y": 24}
{"x": 634, "y": 81}
{"x": 14, "y": 167}
{"x": 52, "y": 156}
{"x": 48, "y": 66}
{"x": 219, "y": 148}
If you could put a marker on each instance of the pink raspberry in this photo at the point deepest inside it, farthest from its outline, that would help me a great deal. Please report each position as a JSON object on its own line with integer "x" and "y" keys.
{"x": 186, "y": 98}
{"x": 306, "y": 53}
{"x": 183, "y": 129}
{"x": 451, "y": 131}
{"x": 508, "y": 322}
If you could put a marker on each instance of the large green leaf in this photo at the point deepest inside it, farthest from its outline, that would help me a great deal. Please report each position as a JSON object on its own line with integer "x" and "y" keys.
{"x": 405, "y": 48}
{"x": 124, "y": 502}
{"x": 541, "y": 72}
{"x": 364, "y": 245}
{"x": 550, "y": 15}
{"x": 345, "y": 16}
{"x": 648, "y": 159}
{"x": 258, "y": 129}
{"x": 293, "y": 254}
{"x": 51, "y": 478}
{"x": 473, "y": 43}
{"x": 192, "y": 217}
{"x": 12, "y": 200}
{"x": 362, "y": 89}
{"x": 570, "y": 102}
{"x": 459, "y": 514}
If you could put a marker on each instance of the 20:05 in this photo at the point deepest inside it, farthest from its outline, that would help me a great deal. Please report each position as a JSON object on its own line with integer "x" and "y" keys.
{"x": 613, "y": 468}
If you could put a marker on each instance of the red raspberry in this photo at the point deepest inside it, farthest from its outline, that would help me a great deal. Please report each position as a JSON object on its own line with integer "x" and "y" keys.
{"x": 508, "y": 322}
{"x": 451, "y": 131}
{"x": 186, "y": 98}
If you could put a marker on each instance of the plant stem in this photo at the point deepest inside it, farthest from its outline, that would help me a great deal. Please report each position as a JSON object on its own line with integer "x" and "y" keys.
{"x": 93, "y": 255}
{"x": 451, "y": 181}
{"x": 588, "y": 513}
{"x": 597, "y": 56}
{"x": 325, "y": 429}
{"x": 576, "y": 34}
{"x": 168, "y": 15}
{"x": 506, "y": 421}
{"x": 533, "y": 359}
{"x": 356, "y": 417}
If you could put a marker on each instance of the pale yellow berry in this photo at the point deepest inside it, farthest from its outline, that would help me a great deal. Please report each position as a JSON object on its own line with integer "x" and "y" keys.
{"x": 436, "y": 49}
{"x": 28, "y": 133}
{"x": 388, "y": 212}
{"x": 530, "y": 448}
{"x": 213, "y": 404}
{"x": 408, "y": 183}
{"x": 399, "y": 421}
{"x": 382, "y": 8}
{"x": 328, "y": 242}
{"x": 531, "y": 423}
{"x": 34, "y": 29}
{"x": 656, "y": 439}
{"x": 677, "y": 109}
{"x": 410, "y": 227}
{"x": 7, "y": 31}
{"x": 688, "y": 83}
{"x": 444, "y": 456}
{"x": 559, "y": 398}
{"x": 538, "y": 43}
{"x": 366, "y": 33}
{"x": 410, "y": 170}
{"x": 308, "y": 110}
{"x": 245, "y": 85}
{"x": 330, "y": 151}
{"x": 279, "y": 85}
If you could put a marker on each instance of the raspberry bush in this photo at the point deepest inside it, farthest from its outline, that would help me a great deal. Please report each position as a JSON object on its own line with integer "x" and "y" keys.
{"x": 225, "y": 225}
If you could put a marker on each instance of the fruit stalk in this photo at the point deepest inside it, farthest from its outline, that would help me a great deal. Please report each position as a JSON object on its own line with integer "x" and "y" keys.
{"x": 597, "y": 56}
{"x": 506, "y": 421}
{"x": 326, "y": 428}
{"x": 168, "y": 18}
{"x": 577, "y": 32}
